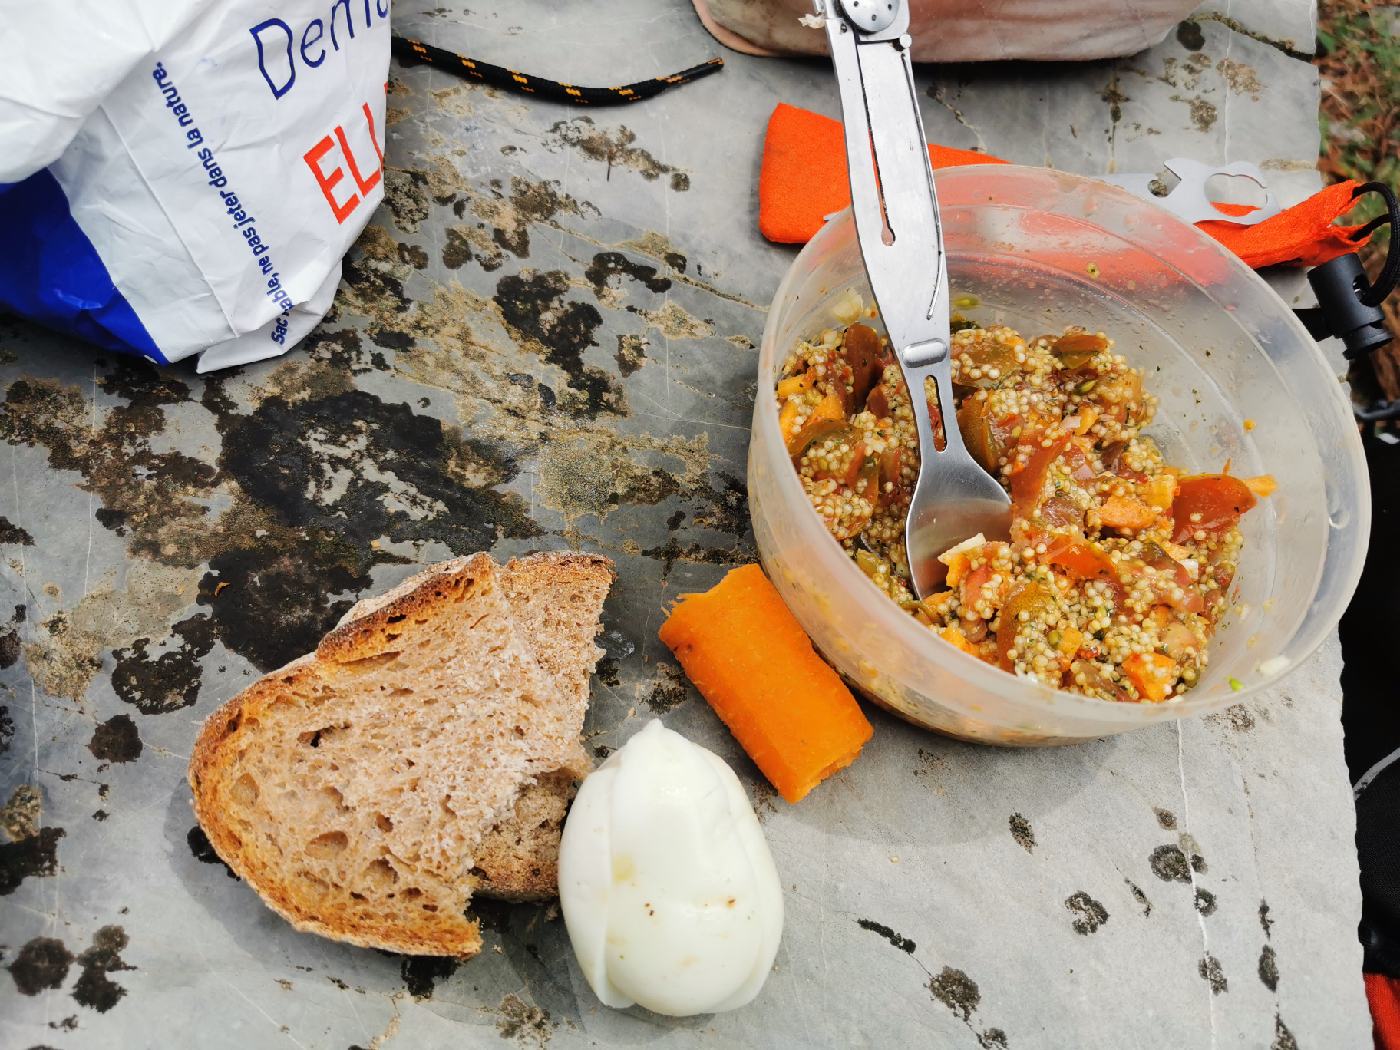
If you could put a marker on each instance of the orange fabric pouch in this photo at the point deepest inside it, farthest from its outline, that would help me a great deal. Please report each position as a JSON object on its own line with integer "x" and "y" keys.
{"x": 803, "y": 180}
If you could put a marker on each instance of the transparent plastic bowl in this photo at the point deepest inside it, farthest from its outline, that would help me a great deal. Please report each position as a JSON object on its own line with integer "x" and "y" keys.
{"x": 1040, "y": 250}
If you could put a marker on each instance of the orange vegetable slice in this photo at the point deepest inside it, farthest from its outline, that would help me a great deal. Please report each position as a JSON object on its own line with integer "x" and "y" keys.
{"x": 756, "y": 667}
{"x": 1028, "y": 598}
{"x": 957, "y": 639}
{"x": 863, "y": 352}
{"x": 1125, "y": 512}
{"x": 1151, "y": 674}
{"x": 1027, "y": 483}
{"x": 787, "y": 419}
{"x": 1262, "y": 485}
{"x": 1216, "y": 500}
{"x": 798, "y": 384}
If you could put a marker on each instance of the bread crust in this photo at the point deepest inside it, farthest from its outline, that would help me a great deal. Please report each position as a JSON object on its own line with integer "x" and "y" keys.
{"x": 369, "y": 633}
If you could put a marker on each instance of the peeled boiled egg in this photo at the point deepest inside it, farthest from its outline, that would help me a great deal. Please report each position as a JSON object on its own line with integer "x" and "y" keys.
{"x": 667, "y": 885}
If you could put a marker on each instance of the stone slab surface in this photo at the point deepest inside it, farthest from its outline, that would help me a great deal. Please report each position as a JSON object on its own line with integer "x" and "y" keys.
{"x": 546, "y": 339}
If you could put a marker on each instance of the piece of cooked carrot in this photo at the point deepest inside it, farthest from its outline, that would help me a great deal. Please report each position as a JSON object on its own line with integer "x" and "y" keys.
{"x": 1262, "y": 485}
{"x": 1126, "y": 512}
{"x": 787, "y": 418}
{"x": 1160, "y": 492}
{"x": 956, "y": 638}
{"x": 1151, "y": 674}
{"x": 798, "y": 384}
{"x": 753, "y": 663}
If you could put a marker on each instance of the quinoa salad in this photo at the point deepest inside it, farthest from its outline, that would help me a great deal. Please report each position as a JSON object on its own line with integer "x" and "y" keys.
{"x": 1118, "y": 566}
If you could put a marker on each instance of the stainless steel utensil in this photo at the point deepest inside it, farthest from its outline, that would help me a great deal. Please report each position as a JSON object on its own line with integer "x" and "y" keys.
{"x": 1188, "y": 199}
{"x": 901, "y": 243}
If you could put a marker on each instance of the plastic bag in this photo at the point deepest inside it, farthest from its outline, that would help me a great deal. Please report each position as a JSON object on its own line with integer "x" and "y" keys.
{"x": 956, "y": 31}
{"x": 180, "y": 177}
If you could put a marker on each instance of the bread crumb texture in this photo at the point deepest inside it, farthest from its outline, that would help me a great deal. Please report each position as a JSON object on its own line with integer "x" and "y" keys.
{"x": 427, "y": 749}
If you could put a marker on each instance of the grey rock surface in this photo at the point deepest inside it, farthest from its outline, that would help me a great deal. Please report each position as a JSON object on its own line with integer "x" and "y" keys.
{"x": 546, "y": 339}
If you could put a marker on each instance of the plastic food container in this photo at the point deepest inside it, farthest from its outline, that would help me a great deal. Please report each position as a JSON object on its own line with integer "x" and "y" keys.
{"x": 1040, "y": 250}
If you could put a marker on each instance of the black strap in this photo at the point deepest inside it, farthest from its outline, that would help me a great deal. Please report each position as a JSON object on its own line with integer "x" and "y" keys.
{"x": 415, "y": 51}
{"x": 1375, "y": 293}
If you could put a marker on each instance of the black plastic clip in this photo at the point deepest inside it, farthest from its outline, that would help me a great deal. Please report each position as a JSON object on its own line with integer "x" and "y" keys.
{"x": 1349, "y": 304}
{"x": 1340, "y": 310}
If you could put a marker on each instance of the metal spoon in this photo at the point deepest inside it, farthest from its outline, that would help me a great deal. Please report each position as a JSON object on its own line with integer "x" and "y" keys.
{"x": 901, "y": 242}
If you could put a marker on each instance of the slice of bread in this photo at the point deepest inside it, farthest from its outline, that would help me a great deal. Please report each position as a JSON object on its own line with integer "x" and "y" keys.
{"x": 556, "y": 600}
{"x": 357, "y": 788}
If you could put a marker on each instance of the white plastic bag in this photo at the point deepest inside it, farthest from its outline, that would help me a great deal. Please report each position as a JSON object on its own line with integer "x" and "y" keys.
{"x": 182, "y": 177}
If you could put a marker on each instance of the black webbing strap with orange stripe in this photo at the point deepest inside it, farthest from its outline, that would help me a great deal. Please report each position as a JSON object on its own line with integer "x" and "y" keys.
{"x": 415, "y": 51}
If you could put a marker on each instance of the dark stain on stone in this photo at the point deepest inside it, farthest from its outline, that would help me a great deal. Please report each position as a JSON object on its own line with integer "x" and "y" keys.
{"x": 669, "y": 690}
{"x": 1212, "y": 974}
{"x": 673, "y": 551}
{"x": 1265, "y": 923}
{"x": 68, "y": 1024}
{"x": 1239, "y": 718}
{"x": 601, "y": 752}
{"x": 522, "y": 1022}
{"x": 607, "y": 672}
{"x": 406, "y": 195}
{"x": 727, "y": 506}
{"x": 21, "y": 815}
{"x": 1166, "y": 818}
{"x": 7, "y": 729}
{"x": 115, "y": 456}
{"x": 308, "y": 463}
{"x": 1203, "y": 113}
{"x": 1198, "y": 864}
{"x": 100, "y": 815}
{"x": 1190, "y": 36}
{"x": 1115, "y": 98}
{"x": 631, "y": 353}
{"x": 1268, "y": 968}
{"x": 1140, "y": 897}
{"x": 116, "y": 740}
{"x": 1169, "y": 864}
{"x": 111, "y": 520}
{"x": 9, "y": 647}
{"x": 613, "y": 148}
{"x": 457, "y": 251}
{"x": 675, "y": 520}
{"x": 421, "y": 973}
{"x": 155, "y": 684}
{"x": 203, "y": 851}
{"x": 1022, "y": 832}
{"x": 41, "y": 963}
{"x": 10, "y": 533}
{"x": 607, "y": 265}
{"x": 283, "y": 604}
{"x": 1089, "y": 913}
{"x": 414, "y": 256}
{"x": 992, "y": 1039}
{"x": 1205, "y": 902}
{"x": 529, "y": 203}
{"x": 390, "y": 339}
{"x": 35, "y": 856}
{"x": 904, "y": 944}
{"x": 94, "y": 988}
{"x": 533, "y": 306}
{"x": 1283, "y": 1038}
{"x": 957, "y": 991}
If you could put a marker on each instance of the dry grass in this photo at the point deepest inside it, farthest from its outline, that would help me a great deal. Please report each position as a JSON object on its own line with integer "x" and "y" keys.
{"x": 1359, "y": 60}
